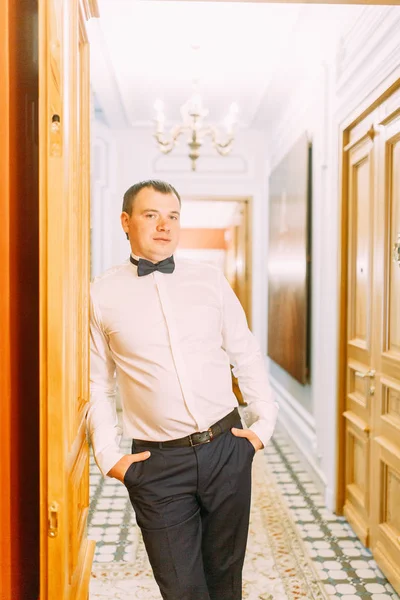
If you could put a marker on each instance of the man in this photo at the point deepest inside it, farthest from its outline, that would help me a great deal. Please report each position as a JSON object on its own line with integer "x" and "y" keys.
{"x": 167, "y": 334}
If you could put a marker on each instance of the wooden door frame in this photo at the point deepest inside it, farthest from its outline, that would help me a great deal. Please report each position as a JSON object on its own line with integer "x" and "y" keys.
{"x": 247, "y": 201}
{"x": 6, "y": 513}
{"x": 19, "y": 553}
{"x": 380, "y": 93}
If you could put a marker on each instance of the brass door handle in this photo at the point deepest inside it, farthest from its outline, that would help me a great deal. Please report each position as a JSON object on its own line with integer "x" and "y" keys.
{"x": 371, "y": 373}
{"x": 53, "y": 520}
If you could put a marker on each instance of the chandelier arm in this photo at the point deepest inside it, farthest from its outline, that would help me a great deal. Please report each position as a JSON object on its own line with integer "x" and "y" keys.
{"x": 221, "y": 146}
{"x": 166, "y": 146}
{"x": 223, "y": 151}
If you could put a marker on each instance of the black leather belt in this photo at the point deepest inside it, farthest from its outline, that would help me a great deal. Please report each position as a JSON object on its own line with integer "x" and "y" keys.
{"x": 200, "y": 437}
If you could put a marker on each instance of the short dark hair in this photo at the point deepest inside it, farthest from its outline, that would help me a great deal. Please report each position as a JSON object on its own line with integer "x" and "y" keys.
{"x": 159, "y": 186}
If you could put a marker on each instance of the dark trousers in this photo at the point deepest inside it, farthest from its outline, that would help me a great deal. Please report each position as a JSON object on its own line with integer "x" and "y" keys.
{"x": 192, "y": 505}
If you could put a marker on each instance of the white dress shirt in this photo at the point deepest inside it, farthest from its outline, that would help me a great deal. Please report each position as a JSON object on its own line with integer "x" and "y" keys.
{"x": 168, "y": 341}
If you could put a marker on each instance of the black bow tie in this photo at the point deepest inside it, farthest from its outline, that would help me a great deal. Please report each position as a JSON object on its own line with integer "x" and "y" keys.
{"x": 145, "y": 267}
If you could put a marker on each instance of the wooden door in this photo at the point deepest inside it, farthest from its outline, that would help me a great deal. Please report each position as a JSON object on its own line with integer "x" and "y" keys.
{"x": 66, "y": 554}
{"x": 372, "y": 415}
{"x": 385, "y": 442}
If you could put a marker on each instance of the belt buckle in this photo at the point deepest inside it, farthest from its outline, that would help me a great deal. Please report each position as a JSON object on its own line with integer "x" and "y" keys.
{"x": 206, "y": 441}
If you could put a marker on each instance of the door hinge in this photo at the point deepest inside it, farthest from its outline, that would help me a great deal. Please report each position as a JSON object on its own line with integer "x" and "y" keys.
{"x": 53, "y": 519}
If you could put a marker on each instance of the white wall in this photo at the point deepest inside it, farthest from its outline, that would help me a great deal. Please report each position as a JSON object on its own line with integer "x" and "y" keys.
{"x": 104, "y": 198}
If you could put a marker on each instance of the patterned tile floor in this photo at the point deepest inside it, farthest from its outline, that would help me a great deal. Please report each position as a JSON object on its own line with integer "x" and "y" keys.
{"x": 346, "y": 568}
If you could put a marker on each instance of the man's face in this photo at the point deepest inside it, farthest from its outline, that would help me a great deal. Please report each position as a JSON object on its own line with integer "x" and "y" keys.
{"x": 154, "y": 224}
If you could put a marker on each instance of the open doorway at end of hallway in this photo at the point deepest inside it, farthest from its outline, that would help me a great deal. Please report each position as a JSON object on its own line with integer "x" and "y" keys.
{"x": 217, "y": 229}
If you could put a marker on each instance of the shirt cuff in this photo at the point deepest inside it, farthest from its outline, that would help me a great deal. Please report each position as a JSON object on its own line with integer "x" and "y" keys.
{"x": 107, "y": 460}
{"x": 263, "y": 430}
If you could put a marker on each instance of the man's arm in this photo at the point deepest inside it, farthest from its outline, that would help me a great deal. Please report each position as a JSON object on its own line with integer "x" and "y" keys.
{"x": 102, "y": 417}
{"x": 249, "y": 367}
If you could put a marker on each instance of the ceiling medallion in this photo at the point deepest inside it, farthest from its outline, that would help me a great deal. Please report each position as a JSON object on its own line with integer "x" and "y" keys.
{"x": 193, "y": 114}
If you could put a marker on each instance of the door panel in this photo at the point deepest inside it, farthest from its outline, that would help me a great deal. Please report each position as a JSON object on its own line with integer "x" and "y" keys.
{"x": 360, "y": 272}
{"x": 66, "y": 554}
{"x": 361, "y": 216}
{"x": 392, "y": 328}
{"x": 386, "y": 520}
{"x": 357, "y": 475}
{"x": 361, "y": 324}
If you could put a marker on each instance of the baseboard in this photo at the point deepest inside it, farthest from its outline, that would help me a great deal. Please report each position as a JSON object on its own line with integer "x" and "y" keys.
{"x": 330, "y": 500}
{"x": 299, "y": 425}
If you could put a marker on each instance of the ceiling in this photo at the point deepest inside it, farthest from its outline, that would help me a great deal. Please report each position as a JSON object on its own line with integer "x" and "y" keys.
{"x": 147, "y": 50}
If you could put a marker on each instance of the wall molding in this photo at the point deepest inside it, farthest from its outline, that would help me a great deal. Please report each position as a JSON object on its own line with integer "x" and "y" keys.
{"x": 300, "y": 426}
{"x": 208, "y": 164}
{"x": 363, "y": 43}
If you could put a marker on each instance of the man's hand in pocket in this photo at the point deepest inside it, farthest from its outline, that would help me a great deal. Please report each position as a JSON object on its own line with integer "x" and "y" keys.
{"x": 120, "y": 468}
{"x": 250, "y": 435}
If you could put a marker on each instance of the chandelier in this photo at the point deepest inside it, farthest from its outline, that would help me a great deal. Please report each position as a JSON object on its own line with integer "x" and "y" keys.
{"x": 193, "y": 114}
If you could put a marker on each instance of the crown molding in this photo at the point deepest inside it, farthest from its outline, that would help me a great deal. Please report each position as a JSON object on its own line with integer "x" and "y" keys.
{"x": 373, "y": 33}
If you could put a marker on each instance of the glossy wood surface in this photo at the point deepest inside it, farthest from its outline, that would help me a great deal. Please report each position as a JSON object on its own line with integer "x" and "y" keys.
{"x": 19, "y": 355}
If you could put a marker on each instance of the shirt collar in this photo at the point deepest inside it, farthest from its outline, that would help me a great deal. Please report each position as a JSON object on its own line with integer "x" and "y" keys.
{"x": 141, "y": 257}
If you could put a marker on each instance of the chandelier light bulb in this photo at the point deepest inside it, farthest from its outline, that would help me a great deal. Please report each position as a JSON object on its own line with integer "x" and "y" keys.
{"x": 228, "y": 123}
{"x": 234, "y": 108}
{"x": 160, "y": 117}
{"x": 159, "y": 105}
{"x": 196, "y": 104}
{"x": 231, "y": 118}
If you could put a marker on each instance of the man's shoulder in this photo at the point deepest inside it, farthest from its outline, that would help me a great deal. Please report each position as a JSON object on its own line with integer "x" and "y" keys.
{"x": 109, "y": 276}
{"x": 198, "y": 267}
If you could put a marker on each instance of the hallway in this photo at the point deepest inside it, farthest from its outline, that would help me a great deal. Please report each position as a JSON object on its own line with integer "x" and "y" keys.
{"x": 297, "y": 548}
{"x": 288, "y": 169}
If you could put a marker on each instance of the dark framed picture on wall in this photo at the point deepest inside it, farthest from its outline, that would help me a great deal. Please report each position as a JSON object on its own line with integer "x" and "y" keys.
{"x": 289, "y": 261}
